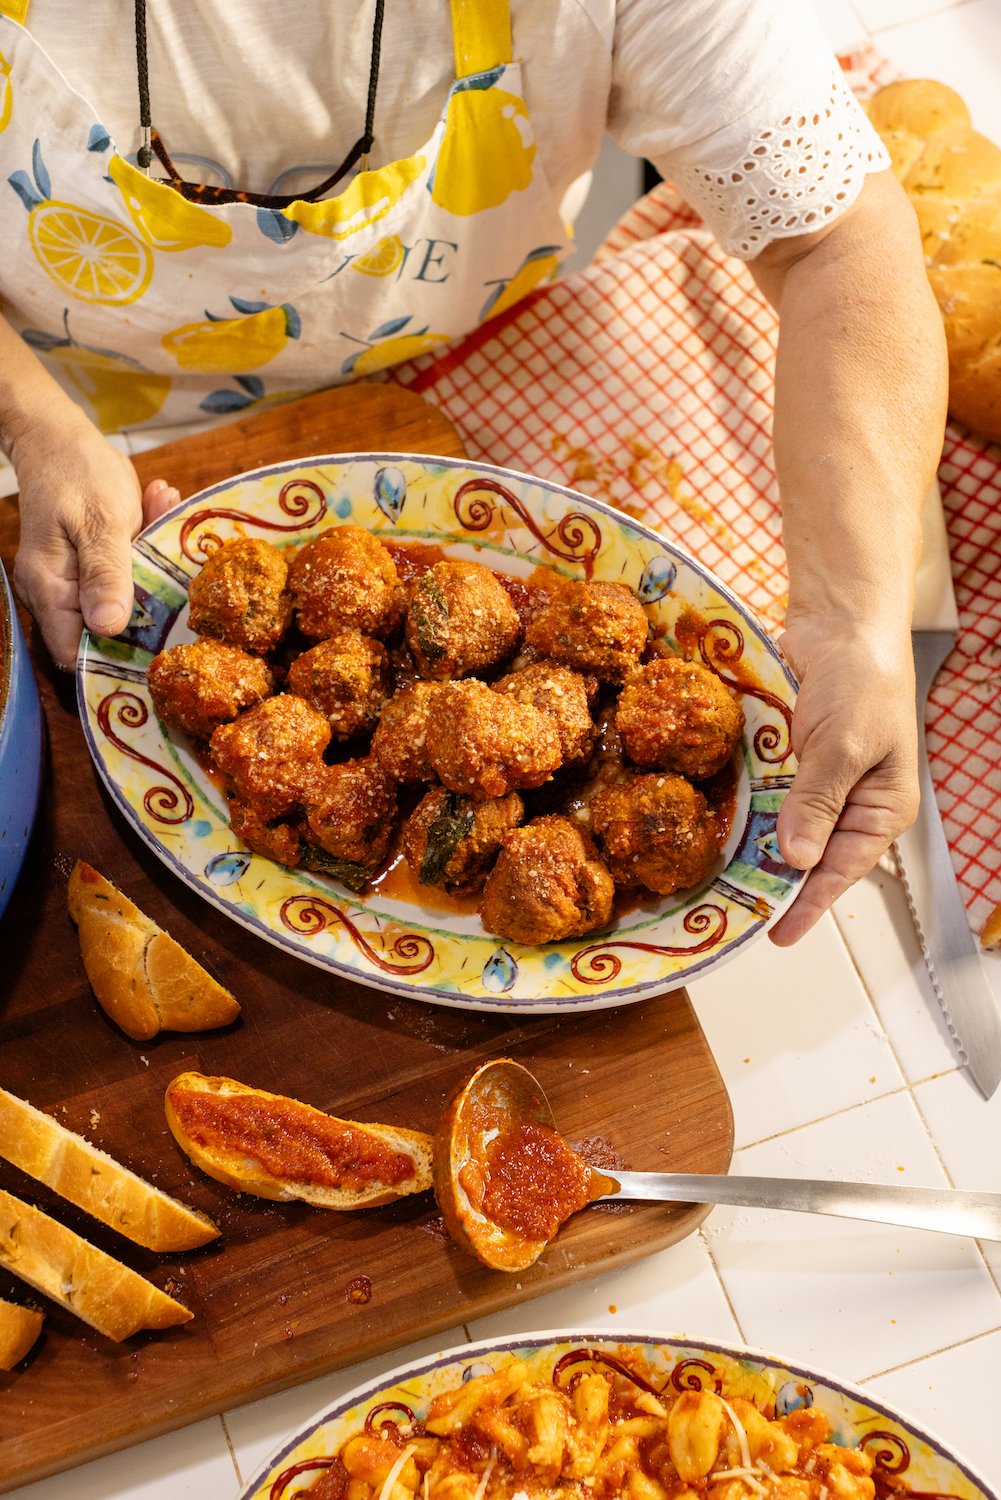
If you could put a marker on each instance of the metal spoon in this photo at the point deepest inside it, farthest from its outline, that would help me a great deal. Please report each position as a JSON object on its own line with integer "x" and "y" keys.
{"x": 503, "y": 1095}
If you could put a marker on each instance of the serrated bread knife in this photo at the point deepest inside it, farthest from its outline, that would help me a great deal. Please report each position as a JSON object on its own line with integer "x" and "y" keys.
{"x": 950, "y": 951}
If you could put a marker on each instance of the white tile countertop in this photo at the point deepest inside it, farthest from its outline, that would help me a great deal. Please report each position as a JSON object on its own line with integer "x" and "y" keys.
{"x": 837, "y": 1064}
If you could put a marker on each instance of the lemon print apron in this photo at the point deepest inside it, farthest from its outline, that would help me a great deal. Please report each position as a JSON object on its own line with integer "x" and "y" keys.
{"x": 151, "y": 309}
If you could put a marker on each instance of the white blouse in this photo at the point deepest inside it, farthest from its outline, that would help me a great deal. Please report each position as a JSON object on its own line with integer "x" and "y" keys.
{"x": 740, "y": 102}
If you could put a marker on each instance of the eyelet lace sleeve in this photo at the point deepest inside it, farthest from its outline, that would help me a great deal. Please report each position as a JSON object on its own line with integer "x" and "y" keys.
{"x": 793, "y": 176}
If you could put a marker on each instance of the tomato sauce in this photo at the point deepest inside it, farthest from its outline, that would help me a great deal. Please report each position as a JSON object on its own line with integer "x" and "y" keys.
{"x": 533, "y": 1180}
{"x": 290, "y": 1140}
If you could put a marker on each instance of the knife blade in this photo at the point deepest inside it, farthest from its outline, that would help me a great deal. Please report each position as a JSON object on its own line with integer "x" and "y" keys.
{"x": 947, "y": 945}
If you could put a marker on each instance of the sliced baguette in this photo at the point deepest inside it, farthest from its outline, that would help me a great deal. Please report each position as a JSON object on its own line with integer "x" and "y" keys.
{"x": 279, "y": 1148}
{"x": 96, "y": 1182}
{"x": 143, "y": 979}
{"x": 78, "y": 1276}
{"x": 19, "y": 1328}
{"x": 991, "y": 935}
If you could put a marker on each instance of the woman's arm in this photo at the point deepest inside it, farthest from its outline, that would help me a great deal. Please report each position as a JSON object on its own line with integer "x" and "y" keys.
{"x": 860, "y": 398}
{"x": 80, "y": 503}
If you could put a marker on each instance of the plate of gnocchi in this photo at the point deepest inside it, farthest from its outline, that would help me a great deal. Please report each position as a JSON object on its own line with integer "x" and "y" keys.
{"x": 450, "y": 731}
{"x": 589, "y": 1414}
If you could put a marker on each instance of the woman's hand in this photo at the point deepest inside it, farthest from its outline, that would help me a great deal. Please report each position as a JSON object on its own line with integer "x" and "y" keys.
{"x": 854, "y": 731}
{"x": 81, "y": 505}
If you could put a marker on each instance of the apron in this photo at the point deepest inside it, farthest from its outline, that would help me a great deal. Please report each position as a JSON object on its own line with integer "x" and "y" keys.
{"x": 152, "y": 310}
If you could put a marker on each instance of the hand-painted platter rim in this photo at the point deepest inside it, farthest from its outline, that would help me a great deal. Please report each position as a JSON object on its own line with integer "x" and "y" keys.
{"x": 913, "y": 1461}
{"x": 515, "y": 523}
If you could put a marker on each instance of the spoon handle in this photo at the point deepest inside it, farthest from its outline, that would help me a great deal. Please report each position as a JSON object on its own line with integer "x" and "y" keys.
{"x": 948, "y": 1210}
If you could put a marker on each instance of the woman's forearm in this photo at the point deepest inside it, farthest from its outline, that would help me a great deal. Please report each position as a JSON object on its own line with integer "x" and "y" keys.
{"x": 29, "y": 396}
{"x": 860, "y": 394}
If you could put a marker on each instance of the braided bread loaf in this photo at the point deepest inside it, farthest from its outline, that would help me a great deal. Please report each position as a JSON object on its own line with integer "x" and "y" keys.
{"x": 952, "y": 175}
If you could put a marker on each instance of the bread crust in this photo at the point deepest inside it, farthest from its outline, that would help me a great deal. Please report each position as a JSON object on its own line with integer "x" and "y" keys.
{"x": 19, "y": 1328}
{"x": 239, "y": 1168}
{"x": 78, "y": 1276}
{"x": 952, "y": 175}
{"x": 83, "y": 1174}
{"x": 144, "y": 980}
{"x": 990, "y": 937}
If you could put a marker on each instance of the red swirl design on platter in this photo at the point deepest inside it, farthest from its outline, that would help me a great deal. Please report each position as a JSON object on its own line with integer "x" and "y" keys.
{"x": 891, "y": 1457}
{"x": 308, "y": 915}
{"x": 577, "y": 536}
{"x": 721, "y": 644}
{"x": 690, "y": 1375}
{"x": 286, "y": 1476}
{"x": 378, "y": 1420}
{"x": 299, "y": 498}
{"x": 604, "y": 966}
{"x": 160, "y": 802}
{"x": 595, "y": 1357}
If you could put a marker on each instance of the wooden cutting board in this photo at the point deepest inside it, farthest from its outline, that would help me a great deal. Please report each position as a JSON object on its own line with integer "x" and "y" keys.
{"x": 281, "y": 1296}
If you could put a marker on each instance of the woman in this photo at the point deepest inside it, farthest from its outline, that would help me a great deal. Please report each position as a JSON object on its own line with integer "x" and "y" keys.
{"x": 478, "y": 124}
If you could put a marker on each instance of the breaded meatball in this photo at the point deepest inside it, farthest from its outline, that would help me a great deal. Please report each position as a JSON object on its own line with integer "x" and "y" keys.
{"x": 562, "y": 695}
{"x": 452, "y": 841}
{"x": 459, "y": 620}
{"x": 399, "y": 743}
{"x": 272, "y": 753}
{"x": 548, "y": 884}
{"x": 590, "y": 627}
{"x": 656, "y": 831}
{"x": 201, "y": 684}
{"x": 345, "y": 678}
{"x": 277, "y": 840}
{"x": 240, "y": 596}
{"x": 350, "y": 811}
{"x": 677, "y": 715}
{"x": 485, "y": 744}
{"x": 345, "y": 578}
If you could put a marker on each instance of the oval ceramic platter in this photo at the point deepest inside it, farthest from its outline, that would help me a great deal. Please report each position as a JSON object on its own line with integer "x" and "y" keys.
{"x": 908, "y": 1463}
{"x": 516, "y": 525}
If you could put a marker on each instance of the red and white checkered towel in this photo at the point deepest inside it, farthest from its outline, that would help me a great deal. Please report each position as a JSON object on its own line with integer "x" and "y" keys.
{"x": 646, "y": 380}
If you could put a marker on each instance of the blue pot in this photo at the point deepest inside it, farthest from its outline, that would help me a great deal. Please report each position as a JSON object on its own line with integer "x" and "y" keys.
{"x": 20, "y": 744}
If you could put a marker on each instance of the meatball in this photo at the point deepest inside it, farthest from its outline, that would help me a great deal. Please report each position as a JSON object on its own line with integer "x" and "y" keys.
{"x": 201, "y": 684}
{"x": 345, "y": 678}
{"x": 452, "y": 841}
{"x": 350, "y": 813}
{"x": 272, "y": 753}
{"x": 399, "y": 742}
{"x": 562, "y": 695}
{"x": 277, "y": 840}
{"x": 548, "y": 884}
{"x": 485, "y": 744}
{"x": 678, "y": 716}
{"x": 345, "y": 577}
{"x": 657, "y": 832}
{"x": 591, "y": 627}
{"x": 240, "y": 596}
{"x": 460, "y": 619}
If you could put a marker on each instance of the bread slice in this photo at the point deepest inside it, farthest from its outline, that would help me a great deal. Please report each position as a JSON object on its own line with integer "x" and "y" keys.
{"x": 69, "y": 1165}
{"x": 279, "y": 1148}
{"x": 143, "y": 979}
{"x": 19, "y": 1328}
{"x": 78, "y": 1276}
{"x": 990, "y": 937}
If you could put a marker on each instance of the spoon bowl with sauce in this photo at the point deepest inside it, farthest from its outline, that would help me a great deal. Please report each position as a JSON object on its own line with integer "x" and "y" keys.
{"x": 506, "y": 1180}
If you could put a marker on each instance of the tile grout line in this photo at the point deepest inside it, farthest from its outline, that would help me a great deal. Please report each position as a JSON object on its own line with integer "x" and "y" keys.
{"x": 704, "y": 1238}
{"x": 916, "y": 19}
{"x": 232, "y": 1449}
{"x": 908, "y": 1364}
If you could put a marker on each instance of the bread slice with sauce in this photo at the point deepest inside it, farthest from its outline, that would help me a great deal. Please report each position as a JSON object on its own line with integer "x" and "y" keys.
{"x": 81, "y": 1173}
{"x": 279, "y": 1148}
{"x": 19, "y": 1328}
{"x": 142, "y": 978}
{"x": 62, "y": 1265}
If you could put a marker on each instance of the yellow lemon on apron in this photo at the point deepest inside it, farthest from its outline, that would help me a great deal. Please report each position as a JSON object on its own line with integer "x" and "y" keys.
{"x": 370, "y": 196}
{"x": 383, "y": 259}
{"x": 89, "y": 256}
{"x": 120, "y": 396}
{"x": 165, "y": 219}
{"x": 6, "y": 93}
{"x": 395, "y": 351}
{"x": 224, "y": 345}
{"x": 483, "y": 157}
